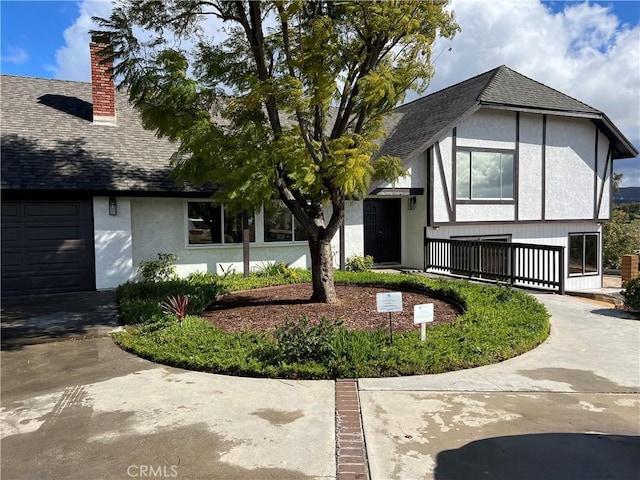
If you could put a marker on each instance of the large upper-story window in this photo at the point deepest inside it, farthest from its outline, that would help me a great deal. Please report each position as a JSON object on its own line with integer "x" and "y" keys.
{"x": 484, "y": 175}
{"x": 280, "y": 225}
{"x": 583, "y": 253}
{"x": 212, "y": 224}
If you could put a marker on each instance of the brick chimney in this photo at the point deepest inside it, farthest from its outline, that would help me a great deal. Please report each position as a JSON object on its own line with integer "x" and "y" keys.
{"x": 102, "y": 87}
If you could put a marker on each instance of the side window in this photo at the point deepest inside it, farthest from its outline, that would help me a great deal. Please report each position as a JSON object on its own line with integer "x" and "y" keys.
{"x": 209, "y": 224}
{"x": 280, "y": 225}
{"x": 482, "y": 175}
{"x": 583, "y": 253}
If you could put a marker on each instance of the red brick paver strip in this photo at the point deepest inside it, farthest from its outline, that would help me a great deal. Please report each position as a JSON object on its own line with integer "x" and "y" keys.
{"x": 351, "y": 452}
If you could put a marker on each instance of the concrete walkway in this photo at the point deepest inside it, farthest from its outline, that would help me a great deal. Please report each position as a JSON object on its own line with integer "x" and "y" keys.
{"x": 569, "y": 409}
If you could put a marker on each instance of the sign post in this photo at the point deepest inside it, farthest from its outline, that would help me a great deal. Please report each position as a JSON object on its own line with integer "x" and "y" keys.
{"x": 423, "y": 314}
{"x": 389, "y": 302}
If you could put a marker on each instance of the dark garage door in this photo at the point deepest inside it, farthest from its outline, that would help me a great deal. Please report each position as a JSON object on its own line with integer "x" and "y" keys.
{"x": 47, "y": 247}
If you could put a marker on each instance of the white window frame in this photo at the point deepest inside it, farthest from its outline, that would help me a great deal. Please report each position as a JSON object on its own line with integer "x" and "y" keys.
{"x": 584, "y": 273}
{"x": 280, "y": 242}
{"x": 470, "y": 198}
{"x": 187, "y": 218}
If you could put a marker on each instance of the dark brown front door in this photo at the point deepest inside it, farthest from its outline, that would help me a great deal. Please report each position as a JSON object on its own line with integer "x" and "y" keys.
{"x": 47, "y": 247}
{"x": 382, "y": 229}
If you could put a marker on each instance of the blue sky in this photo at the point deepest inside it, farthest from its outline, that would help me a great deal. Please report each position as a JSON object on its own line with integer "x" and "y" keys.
{"x": 589, "y": 50}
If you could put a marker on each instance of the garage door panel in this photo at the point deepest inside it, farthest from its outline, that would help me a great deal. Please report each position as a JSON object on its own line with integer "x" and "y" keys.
{"x": 10, "y": 234}
{"x": 47, "y": 247}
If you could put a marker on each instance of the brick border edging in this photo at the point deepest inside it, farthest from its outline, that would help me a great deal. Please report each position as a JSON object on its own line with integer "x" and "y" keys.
{"x": 351, "y": 453}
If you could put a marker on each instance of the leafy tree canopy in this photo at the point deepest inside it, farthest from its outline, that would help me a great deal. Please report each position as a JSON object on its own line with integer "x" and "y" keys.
{"x": 287, "y": 101}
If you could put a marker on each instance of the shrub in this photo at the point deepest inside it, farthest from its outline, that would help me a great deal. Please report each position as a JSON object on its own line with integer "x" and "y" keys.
{"x": 631, "y": 294}
{"x": 300, "y": 341}
{"x": 176, "y": 306}
{"x": 280, "y": 269}
{"x": 159, "y": 270}
{"x": 359, "y": 263}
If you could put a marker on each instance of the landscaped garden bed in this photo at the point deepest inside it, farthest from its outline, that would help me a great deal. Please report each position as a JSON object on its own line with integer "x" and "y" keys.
{"x": 277, "y": 332}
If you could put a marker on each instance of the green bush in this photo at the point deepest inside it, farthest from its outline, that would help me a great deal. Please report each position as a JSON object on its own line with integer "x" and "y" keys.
{"x": 631, "y": 294}
{"x": 159, "y": 270}
{"x": 300, "y": 341}
{"x": 140, "y": 302}
{"x": 359, "y": 263}
{"x": 497, "y": 323}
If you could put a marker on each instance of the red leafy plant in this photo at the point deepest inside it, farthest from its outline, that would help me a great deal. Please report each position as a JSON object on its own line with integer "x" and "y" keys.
{"x": 176, "y": 306}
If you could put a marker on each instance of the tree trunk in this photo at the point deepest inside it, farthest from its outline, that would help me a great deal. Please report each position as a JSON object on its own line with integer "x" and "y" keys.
{"x": 324, "y": 290}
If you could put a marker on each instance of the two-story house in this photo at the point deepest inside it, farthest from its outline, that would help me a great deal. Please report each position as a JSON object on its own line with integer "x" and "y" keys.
{"x": 87, "y": 193}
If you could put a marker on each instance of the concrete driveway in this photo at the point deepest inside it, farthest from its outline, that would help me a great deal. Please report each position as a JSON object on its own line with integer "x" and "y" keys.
{"x": 569, "y": 409}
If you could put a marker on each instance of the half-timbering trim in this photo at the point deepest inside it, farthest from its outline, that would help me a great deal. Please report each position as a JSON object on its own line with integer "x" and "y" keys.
{"x": 443, "y": 179}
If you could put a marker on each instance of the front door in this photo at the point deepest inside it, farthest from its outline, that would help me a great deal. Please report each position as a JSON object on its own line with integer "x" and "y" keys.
{"x": 382, "y": 229}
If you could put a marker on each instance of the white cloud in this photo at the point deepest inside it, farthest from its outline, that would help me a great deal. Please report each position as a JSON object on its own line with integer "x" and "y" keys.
{"x": 15, "y": 55}
{"x": 583, "y": 51}
{"x": 72, "y": 60}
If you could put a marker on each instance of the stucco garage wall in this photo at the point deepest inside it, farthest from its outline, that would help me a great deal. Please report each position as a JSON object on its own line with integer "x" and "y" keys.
{"x": 113, "y": 245}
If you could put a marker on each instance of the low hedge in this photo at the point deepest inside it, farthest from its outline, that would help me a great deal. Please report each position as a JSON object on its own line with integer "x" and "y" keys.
{"x": 498, "y": 323}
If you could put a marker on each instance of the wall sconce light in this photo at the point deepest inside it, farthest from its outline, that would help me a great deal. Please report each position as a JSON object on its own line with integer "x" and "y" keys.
{"x": 113, "y": 206}
{"x": 412, "y": 203}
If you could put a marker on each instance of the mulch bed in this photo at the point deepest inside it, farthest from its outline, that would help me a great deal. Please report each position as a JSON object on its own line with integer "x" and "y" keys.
{"x": 264, "y": 309}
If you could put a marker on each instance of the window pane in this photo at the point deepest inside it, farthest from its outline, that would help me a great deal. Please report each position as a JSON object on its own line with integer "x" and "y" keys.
{"x": 300, "y": 233}
{"x": 277, "y": 223}
{"x": 485, "y": 175}
{"x": 204, "y": 223}
{"x": 507, "y": 175}
{"x": 590, "y": 253}
{"x": 463, "y": 185}
{"x": 233, "y": 228}
{"x": 576, "y": 251}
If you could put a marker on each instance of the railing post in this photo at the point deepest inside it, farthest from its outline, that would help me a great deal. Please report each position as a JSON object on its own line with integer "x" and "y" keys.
{"x": 426, "y": 248}
{"x": 512, "y": 264}
{"x": 561, "y": 270}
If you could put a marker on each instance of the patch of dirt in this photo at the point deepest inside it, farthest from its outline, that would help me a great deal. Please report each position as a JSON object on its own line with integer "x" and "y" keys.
{"x": 264, "y": 309}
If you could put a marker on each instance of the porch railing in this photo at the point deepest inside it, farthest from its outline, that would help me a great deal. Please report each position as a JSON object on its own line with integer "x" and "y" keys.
{"x": 523, "y": 264}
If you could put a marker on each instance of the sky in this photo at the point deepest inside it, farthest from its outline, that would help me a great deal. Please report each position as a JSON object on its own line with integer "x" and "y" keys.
{"x": 589, "y": 50}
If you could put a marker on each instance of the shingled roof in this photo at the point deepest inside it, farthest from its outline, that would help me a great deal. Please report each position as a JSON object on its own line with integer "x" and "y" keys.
{"x": 49, "y": 142}
{"x": 414, "y": 127}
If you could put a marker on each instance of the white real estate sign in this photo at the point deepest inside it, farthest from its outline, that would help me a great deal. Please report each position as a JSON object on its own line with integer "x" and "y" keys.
{"x": 423, "y": 314}
{"x": 389, "y": 302}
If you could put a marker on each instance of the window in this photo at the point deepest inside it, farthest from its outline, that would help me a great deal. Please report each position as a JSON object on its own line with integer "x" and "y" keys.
{"x": 484, "y": 175}
{"x": 583, "y": 253}
{"x": 211, "y": 224}
{"x": 280, "y": 225}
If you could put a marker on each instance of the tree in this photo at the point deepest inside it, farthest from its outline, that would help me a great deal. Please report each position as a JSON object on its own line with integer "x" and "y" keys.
{"x": 289, "y": 105}
{"x": 621, "y": 237}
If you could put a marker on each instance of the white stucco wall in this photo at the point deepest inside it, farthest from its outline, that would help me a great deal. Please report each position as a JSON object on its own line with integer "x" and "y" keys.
{"x": 570, "y": 163}
{"x": 530, "y": 168}
{"x": 488, "y": 129}
{"x": 604, "y": 177}
{"x": 440, "y": 212}
{"x": 159, "y": 225}
{"x": 113, "y": 245}
{"x": 485, "y": 213}
{"x": 413, "y": 223}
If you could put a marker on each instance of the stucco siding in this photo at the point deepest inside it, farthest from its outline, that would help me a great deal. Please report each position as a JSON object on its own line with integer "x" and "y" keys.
{"x": 480, "y": 213}
{"x": 604, "y": 180}
{"x": 414, "y": 222}
{"x": 440, "y": 212}
{"x": 530, "y": 168}
{"x": 160, "y": 225}
{"x": 570, "y": 163}
{"x": 113, "y": 243}
{"x": 488, "y": 129}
